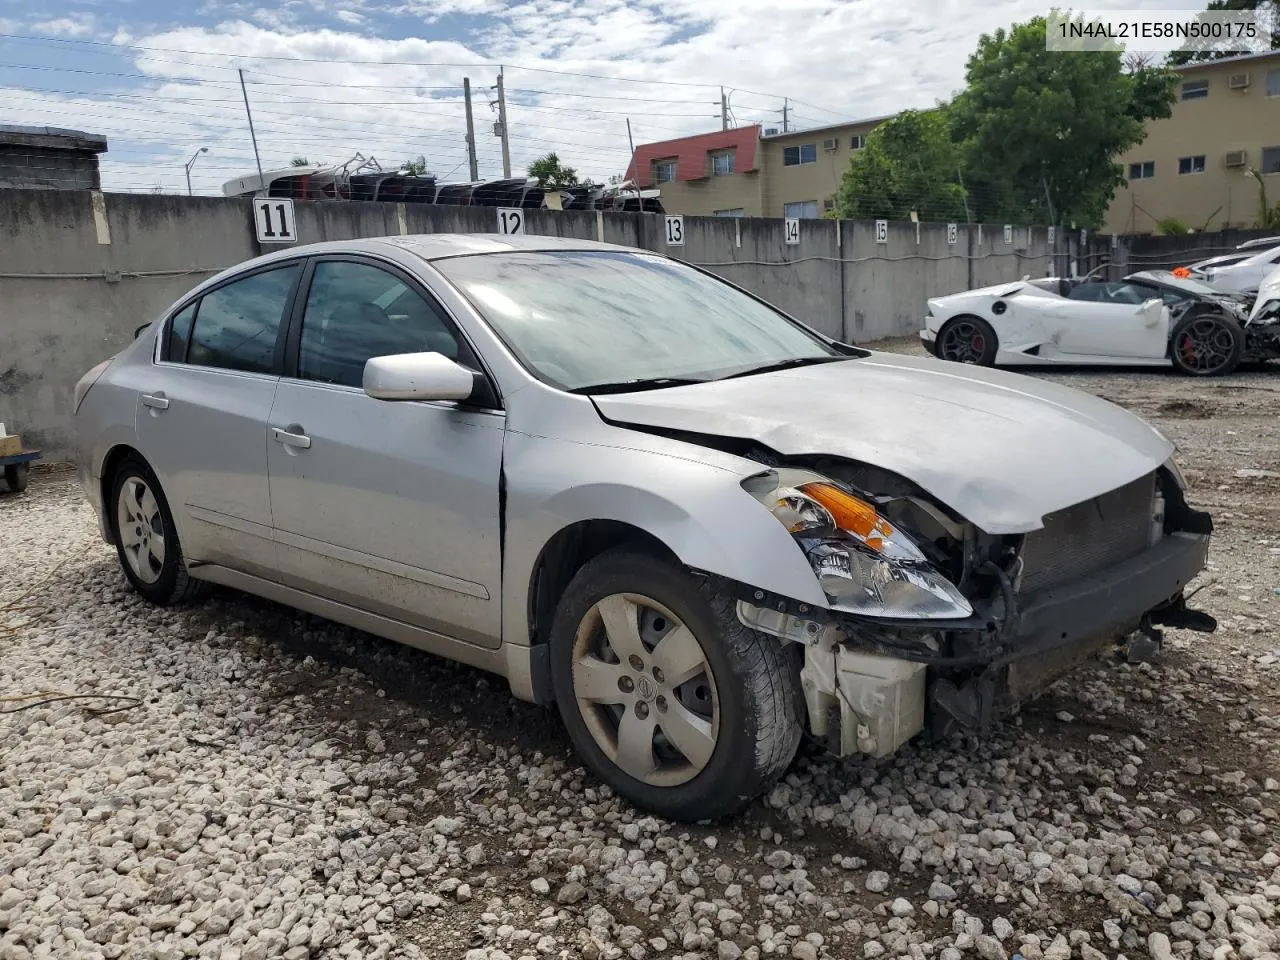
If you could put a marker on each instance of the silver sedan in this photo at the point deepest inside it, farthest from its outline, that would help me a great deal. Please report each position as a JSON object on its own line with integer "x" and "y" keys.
{"x": 692, "y": 523}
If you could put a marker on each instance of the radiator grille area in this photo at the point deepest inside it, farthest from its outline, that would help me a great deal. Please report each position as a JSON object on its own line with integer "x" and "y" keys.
{"x": 1089, "y": 536}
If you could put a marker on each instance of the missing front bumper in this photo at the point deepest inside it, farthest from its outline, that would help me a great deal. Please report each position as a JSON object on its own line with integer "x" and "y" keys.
{"x": 863, "y": 699}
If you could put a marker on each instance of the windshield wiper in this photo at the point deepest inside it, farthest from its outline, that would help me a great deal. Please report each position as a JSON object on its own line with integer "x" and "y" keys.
{"x": 633, "y": 386}
{"x": 782, "y": 365}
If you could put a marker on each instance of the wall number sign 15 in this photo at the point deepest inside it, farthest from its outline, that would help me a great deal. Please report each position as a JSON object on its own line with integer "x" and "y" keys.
{"x": 274, "y": 221}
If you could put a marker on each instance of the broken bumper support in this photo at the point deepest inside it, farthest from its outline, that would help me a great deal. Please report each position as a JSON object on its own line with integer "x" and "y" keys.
{"x": 863, "y": 699}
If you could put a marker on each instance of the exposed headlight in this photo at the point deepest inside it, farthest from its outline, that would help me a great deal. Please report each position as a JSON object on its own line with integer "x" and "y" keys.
{"x": 862, "y": 561}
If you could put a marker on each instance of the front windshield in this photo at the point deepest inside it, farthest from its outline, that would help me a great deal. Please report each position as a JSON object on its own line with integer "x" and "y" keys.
{"x": 584, "y": 318}
{"x": 1185, "y": 284}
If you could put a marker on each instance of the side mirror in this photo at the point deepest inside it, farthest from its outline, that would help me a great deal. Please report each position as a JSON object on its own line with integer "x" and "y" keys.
{"x": 417, "y": 376}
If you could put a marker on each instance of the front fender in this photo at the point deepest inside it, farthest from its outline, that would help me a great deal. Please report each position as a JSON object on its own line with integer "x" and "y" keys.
{"x": 697, "y": 509}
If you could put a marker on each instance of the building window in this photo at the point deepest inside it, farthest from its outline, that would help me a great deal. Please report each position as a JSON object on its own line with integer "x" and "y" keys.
{"x": 1191, "y": 164}
{"x": 829, "y": 204}
{"x": 856, "y": 142}
{"x": 664, "y": 171}
{"x": 1144, "y": 170}
{"x": 1273, "y": 83}
{"x": 735, "y": 212}
{"x": 1271, "y": 159}
{"x": 722, "y": 163}
{"x": 801, "y": 210}
{"x": 794, "y": 156}
{"x": 1195, "y": 90}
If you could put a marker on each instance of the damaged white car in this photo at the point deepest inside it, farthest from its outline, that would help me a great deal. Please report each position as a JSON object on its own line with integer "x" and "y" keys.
{"x": 693, "y": 524}
{"x": 1152, "y": 318}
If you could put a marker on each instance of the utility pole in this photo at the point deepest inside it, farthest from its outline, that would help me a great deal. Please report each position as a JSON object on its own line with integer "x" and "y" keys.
{"x": 785, "y": 104}
{"x": 633, "y": 150}
{"x": 500, "y": 129}
{"x": 471, "y": 132}
{"x": 253, "y": 136}
{"x": 724, "y": 110}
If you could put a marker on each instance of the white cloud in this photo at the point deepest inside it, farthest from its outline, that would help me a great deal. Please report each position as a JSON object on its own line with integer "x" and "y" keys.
{"x": 836, "y": 59}
{"x": 72, "y": 26}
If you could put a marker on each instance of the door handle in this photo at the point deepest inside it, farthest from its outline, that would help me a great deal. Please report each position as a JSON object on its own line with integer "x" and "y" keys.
{"x": 299, "y": 439}
{"x": 156, "y": 401}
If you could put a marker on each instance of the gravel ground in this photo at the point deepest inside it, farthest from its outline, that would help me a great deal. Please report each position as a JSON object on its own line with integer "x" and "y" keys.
{"x": 253, "y": 783}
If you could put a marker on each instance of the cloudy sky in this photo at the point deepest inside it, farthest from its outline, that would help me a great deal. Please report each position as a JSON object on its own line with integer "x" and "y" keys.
{"x": 330, "y": 78}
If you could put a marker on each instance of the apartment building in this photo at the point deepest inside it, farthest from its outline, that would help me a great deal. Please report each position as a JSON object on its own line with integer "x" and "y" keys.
{"x": 1193, "y": 166}
{"x": 751, "y": 171}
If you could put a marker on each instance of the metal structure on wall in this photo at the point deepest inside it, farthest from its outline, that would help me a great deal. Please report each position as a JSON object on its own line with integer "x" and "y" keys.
{"x": 363, "y": 179}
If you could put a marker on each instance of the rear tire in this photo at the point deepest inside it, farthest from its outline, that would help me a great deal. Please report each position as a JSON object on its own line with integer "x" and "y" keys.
{"x": 698, "y": 741}
{"x": 1206, "y": 344}
{"x": 967, "y": 339}
{"x": 146, "y": 538}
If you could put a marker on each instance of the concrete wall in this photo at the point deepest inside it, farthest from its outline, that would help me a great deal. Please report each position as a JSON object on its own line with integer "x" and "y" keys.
{"x": 79, "y": 271}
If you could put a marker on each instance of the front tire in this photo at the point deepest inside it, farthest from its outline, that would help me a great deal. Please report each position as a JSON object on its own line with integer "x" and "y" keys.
{"x": 968, "y": 339}
{"x": 666, "y": 696}
{"x": 146, "y": 538}
{"x": 1206, "y": 345}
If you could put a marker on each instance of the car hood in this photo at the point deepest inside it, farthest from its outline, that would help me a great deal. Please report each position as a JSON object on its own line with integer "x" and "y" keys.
{"x": 1000, "y": 449}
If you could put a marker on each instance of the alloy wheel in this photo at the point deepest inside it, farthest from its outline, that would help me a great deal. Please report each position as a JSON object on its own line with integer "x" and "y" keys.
{"x": 141, "y": 529}
{"x": 645, "y": 690}
{"x": 1206, "y": 345}
{"x": 962, "y": 342}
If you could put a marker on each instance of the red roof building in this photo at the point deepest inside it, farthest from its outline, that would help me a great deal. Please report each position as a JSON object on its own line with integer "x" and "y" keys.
{"x": 695, "y": 158}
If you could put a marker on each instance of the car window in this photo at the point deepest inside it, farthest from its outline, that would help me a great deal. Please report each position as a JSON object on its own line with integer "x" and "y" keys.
{"x": 236, "y": 325}
{"x": 180, "y": 335}
{"x": 1087, "y": 291}
{"x": 356, "y": 311}
{"x": 580, "y": 319}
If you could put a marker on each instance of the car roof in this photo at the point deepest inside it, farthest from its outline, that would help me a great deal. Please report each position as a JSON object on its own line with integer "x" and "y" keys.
{"x": 1259, "y": 242}
{"x": 438, "y": 246}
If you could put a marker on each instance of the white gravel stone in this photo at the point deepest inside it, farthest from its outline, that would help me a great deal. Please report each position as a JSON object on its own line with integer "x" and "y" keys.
{"x": 877, "y": 881}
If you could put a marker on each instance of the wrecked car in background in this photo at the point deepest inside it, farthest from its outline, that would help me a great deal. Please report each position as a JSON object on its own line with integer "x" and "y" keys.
{"x": 692, "y": 523}
{"x": 1150, "y": 318}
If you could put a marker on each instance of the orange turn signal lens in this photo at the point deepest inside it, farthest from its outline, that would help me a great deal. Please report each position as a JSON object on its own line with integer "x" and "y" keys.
{"x": 856, "y": 516}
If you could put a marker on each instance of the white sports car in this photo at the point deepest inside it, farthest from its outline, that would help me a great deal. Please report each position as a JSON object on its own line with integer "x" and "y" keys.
{"x": 1152, "y": 318}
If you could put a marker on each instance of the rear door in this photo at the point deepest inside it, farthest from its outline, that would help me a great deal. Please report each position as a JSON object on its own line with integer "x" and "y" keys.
{"x": 389, "y": 506}
{"x": 201, "y": 419}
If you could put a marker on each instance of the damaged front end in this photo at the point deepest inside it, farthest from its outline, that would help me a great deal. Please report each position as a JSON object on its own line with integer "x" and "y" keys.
{"x": 933, "y": 623}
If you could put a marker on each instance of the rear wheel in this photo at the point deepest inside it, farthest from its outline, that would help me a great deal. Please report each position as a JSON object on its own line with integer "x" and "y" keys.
{"x": 968, "y": 340}
{"x": 146, "y": 539}
{"x": 1206, "y": 345}
{"x": 666, "y": 696}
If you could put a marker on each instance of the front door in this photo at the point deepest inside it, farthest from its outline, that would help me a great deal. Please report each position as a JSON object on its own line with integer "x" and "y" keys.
{"x": 1106, "y": 329}
{"x": 201, "y": 420}
{"x": 389, "y": 506}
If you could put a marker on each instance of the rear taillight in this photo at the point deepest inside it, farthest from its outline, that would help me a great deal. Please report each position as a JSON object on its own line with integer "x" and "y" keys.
{"x": 87, "y": 381}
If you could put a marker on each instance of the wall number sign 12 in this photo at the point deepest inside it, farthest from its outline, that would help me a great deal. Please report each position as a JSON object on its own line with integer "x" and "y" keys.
{"x": 510, "y": 221}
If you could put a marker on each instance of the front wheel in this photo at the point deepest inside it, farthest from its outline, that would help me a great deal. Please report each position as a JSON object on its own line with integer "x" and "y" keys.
{"x": 968, "y": 340}
{"x": 666, "y": 696}
{"x": 1206, "y": 345}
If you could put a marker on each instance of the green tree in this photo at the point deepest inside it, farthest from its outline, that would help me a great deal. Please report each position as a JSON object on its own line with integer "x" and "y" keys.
{"x": 552, "y": 174}
{"x": 299, "y": 162}
{"x": 1040, "y": 130}
{"x": 909, "y": 163}
{"x": 1270, "y": 7}
{"x": 415, "y": 168}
